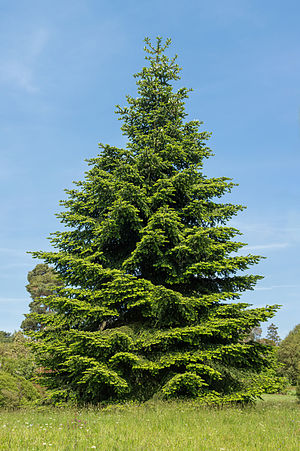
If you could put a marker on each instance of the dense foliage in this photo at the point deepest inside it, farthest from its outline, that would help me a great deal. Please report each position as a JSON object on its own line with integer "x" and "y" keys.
{"x": 17, "y": 369}
{"x": 150, "y": 268}
{"x": 42, "y": 282}
{"x": 289, "y": 355}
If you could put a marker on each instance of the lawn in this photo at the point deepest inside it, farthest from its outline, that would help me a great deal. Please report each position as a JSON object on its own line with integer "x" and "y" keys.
{"x": 273, "y": 424}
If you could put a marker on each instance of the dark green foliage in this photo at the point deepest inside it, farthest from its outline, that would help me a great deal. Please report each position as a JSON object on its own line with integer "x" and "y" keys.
{"x": 289, "y": 355}
{"x": 150, "y": 268}
{"x": 42, "y": 282}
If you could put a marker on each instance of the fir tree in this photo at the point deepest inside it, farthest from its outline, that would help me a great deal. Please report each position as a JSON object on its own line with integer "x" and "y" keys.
{"x": 150, "y": 280}
{"x": 273, "y": 335}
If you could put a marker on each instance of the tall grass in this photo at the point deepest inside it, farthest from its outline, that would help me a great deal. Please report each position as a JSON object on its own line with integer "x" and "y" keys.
{"x": 273, "y": 424}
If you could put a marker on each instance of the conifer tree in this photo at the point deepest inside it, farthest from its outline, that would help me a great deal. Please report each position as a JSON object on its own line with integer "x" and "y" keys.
{"x": 151, "y": 270}
{"x": 273, "y": 335}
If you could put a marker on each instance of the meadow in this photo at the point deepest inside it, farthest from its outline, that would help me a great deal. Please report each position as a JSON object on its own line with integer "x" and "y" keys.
{"x": 272, "y": 424}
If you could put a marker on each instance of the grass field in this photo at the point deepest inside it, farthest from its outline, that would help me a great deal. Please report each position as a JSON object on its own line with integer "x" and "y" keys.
{"x": 273, "y": 424}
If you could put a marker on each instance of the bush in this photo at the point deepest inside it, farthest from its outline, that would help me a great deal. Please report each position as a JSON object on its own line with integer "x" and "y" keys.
{"x": 16, "y": 391}
{"x": 17, "y": 368}
{"x": 16, "y": 358}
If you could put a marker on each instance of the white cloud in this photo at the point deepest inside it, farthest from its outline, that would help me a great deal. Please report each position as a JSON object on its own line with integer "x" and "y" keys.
{"x": 273, "y": 287}
{"x": 267, "y": 246}
{"x": 283, "y": 233}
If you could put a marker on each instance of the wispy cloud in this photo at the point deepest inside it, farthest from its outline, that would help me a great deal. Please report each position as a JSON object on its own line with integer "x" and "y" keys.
{"x": 7, "y": 301}
{"x": 12, "y": 251}
{"x": 267, "y": 228}
{"x": 286, "y": 233}
{"x": 267, "y": 246}
{"x": 17, "y": 68}
{"x": 273, "y": 287}
{"x": 18, "y": 73}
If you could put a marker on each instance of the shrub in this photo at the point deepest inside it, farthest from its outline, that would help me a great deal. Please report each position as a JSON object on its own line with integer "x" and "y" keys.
{"x": 16, "y": 391}
{"x": 16, "y": 358}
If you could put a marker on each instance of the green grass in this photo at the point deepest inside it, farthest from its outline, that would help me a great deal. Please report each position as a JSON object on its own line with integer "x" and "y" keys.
{"x": 273, "y": 424}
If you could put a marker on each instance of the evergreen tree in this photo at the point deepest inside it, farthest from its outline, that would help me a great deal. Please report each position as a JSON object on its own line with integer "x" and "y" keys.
{"x": 273, "y": 335}
{"x": 42, "y": 282}
{"x": 147, "y": 308}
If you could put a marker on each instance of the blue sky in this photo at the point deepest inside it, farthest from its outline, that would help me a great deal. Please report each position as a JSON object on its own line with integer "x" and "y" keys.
{"x": 64, "y": 65}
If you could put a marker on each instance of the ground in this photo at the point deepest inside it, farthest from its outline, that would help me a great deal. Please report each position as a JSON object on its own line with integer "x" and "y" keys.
{"x": 272, "y": 424}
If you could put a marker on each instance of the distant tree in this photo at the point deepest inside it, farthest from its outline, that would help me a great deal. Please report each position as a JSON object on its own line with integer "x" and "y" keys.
{"x": 5, "y": 336}
{"x": 43, "y": 281}
{"x": 272, "y": 335}
{"x": 151, "y": 273}
{"x": 289, "y": 355}
{"x": 254, "y": 335}
{"x": 272, "y": 338}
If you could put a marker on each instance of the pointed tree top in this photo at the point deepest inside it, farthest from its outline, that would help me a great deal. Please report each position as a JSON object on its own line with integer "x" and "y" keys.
{"x": 159, "y": 48}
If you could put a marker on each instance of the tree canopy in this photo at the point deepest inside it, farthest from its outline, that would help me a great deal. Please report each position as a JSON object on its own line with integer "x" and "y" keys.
{"x": 289, "y": 355}
{"x": 152, "y": 273}
{"x": 42, "y": 282}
